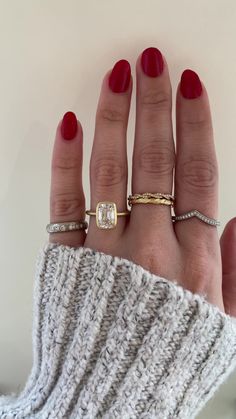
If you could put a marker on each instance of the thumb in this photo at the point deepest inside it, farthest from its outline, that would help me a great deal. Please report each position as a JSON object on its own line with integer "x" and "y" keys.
{"x": 228, "y": 254}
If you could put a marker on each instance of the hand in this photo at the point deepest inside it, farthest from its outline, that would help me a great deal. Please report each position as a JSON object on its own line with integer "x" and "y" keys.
{"x": 186, "y": 251}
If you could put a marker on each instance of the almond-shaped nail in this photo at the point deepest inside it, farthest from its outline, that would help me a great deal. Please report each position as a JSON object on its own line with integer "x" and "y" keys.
{"x": 69, "y": 126}
{"x": 120, "y": 76}
{"x": 190, "y": 85}
{"x": 152, "y": 62}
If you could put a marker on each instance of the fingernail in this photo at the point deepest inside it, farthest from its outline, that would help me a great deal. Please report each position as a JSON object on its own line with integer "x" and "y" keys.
{"x": 69, "y": 126}
{"x": 120, "y": 76}
{"x": 190, "y": 85}
{"x": 152, "y": 62}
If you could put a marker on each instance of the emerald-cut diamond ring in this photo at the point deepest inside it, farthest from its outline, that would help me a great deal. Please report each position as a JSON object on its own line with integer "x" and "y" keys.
{"x": 106, "y": 215}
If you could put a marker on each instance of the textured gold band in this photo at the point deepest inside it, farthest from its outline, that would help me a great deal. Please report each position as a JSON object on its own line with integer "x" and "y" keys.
{"x": 151, "y": 198}
{"x": 157, "y": 201}
{"x": 152, "y": 195}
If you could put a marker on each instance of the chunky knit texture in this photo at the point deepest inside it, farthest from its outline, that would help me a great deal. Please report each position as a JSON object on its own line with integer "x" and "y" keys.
{"x": 112, "y": 340}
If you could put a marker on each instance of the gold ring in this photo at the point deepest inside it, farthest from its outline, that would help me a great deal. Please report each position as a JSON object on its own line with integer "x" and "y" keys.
{"x": 151, "y": 198}
{"x": 106, "y": 215}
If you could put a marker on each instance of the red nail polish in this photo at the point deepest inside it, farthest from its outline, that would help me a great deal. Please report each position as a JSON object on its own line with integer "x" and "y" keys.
{"x": 69, "y": 126}
{"x": 152, "y": 62}
{"x": 120, "y": 76}
{"x": 190, "y": 85}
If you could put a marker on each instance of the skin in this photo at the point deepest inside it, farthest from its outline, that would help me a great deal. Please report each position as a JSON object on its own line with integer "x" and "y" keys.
{"x": 188, "y": 251}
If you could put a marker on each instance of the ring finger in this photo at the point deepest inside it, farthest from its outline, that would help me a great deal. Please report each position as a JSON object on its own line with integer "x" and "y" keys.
{"x": 196, "y": 178}
{"x": 196, "y": 187}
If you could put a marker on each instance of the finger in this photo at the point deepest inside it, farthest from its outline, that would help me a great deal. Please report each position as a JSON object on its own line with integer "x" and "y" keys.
{"x": 108, "y": 164}
{"x": 67, "y": 201}
{"x": 228, "y": 254}
{"x": 154, "y": 152}
{"x": 196, "y": 175}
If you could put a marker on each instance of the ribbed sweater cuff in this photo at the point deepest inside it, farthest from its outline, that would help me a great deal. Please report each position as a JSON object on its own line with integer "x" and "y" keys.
{"x": 113, "y": 340}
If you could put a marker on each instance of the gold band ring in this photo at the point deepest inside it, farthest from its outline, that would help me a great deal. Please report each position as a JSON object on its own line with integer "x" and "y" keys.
{"x": 151, "y": 201}
{"x": 152, "y": 195}
{"x": 151, "y": 198}
{"x": 106, "y": 215}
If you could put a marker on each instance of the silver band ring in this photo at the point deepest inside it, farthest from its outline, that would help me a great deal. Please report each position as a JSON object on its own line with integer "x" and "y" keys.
{"x": 66, "y": 226}
{"x": 199, "y": 215}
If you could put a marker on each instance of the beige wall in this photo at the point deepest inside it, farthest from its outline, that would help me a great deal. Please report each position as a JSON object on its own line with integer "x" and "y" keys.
{"x": 53, "y": 55}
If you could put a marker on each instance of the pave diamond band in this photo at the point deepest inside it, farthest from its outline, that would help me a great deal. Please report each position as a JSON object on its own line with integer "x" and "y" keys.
{"x": 66, "y": 226}
{"x": 199, "y": 215}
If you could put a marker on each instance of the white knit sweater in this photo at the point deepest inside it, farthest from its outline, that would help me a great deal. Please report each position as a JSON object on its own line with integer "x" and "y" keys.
{"x": 112, "y": 340}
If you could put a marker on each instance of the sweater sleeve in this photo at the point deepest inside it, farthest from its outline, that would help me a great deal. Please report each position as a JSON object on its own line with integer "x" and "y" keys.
{"x": 112, "y": 340}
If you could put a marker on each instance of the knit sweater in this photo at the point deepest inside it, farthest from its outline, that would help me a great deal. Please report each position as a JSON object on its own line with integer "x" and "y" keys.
{"x": 113, "y": 340}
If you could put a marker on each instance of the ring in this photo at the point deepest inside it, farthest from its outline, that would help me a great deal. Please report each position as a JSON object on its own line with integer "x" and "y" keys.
{"x": 199, "y": 215}
{"x": 106, "y": 215}
{"x": 168, "y": 199}
{"x": 151, "y": 198}
{"x": 66, "y": 226}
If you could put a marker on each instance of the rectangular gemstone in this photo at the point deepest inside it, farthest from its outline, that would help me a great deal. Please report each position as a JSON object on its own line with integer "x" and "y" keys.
{"x": 106, "y": 215}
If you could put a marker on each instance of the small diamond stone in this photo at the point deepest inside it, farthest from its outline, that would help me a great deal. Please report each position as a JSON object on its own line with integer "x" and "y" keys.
{"x": 106, "y": 215}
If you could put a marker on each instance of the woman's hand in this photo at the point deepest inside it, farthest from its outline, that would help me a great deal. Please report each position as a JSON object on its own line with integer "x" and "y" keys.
{"x": 187, "y": 251}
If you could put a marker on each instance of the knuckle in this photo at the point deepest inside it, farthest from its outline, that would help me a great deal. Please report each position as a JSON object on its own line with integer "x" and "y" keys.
{"x": 200, "y": 174}
{"x": 199, "y": 280}
{"x": 66, "y": 204}
{"x": 146, "y": 258}
{"x": 64, "y": 163}
{"x": 111, "y": 115}
{"x": 151, "y": 262}
{"x": 149, "y": 256}
{"x": 201, "y": 262}
{"x": 196, "y": 124}
{"x": 201, "y": 271}
{"x": 108, "y": 171}
{"x": 156, "y": 157}
{"x": 157, "y": 100}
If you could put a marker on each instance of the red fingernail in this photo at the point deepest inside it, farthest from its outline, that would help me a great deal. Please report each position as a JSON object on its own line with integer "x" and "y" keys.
{"x": 69, "y": 126}
{"x": 120, "y": 76}
{"x": 190, "y": 85}
{"x": 152, "y": 62}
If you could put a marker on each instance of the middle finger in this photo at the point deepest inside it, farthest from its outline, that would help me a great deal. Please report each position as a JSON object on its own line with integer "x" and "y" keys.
{"x": 154, "y": 152}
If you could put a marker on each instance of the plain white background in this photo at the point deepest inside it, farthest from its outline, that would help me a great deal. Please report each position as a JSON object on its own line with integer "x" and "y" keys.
{"x": 53, "y": 55}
